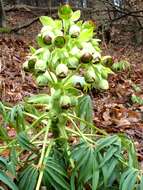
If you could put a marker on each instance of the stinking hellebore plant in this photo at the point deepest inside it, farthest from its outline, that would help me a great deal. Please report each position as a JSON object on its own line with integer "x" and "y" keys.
{"x": 56, "y": 146}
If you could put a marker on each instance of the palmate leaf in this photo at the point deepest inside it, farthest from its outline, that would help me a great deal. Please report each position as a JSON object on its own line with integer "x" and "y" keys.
{"x": 87, "y": 166}
{"x": 3, "y": 163}
{"x": 107, "y": 141}
{"x": 25, "y": 142}
{"x": 86, "y": 173}
{"x": 7, "y": 181}
{"x": 7, "y": 166}
{"x": 129, "y": 179}
{"x": 108, "y": 155}
{"x": 128, "y": 144}
{"x": 108, "y": 170}
{"x": 16, "y": 118}
{"x": 28, "y": 178}
{"x": 55, "y": 175}
{"x": 97, "y": 165}
{"x": 85, "y": 109}
{"x": 3, "y": 133}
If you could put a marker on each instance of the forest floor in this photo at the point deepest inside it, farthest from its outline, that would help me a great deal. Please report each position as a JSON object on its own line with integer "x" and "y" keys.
{"x": 113, "y": 110}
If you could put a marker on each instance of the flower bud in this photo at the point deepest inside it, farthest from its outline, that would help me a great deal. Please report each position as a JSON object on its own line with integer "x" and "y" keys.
{"x": 65, "y": 102}
{"x": 47, "y": 37}
{"x": 65, "y": 11}
{"x": 31, "y": 62}
{"x": 47, "y": 40}
{"x": 59, "y": 41}
{"x": 86, "y": 57}
{"x": 62, "y": 71}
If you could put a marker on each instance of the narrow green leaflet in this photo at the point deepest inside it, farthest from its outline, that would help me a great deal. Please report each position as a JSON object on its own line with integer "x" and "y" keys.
{"x": 123, "y": 176}
{"x": 108, "y": 155}
{"x": 28, "y": 178}
{"x": 86, "y": 172}
{"x": 56, "y": 167}
{"x": 25, "y": 142}
{"x": 8, "y": 181}
{"x": 3, "y": 133}
{"x": 111, "y": 167}
{"x": 72, "y": 179}
{"x": 85, "y": 109}
{"x": 16, "y": 117}
{"x": 129, "y": 182}
{"x": 3, "y": 163}
{"x": 141, "y": 183}
{"x": 39, "y": 99}
{"x": 3, "y": 111}
{"x": 105, "y": 142}
{"x": 95, "y": 177}
{"x": 55, "y": 174}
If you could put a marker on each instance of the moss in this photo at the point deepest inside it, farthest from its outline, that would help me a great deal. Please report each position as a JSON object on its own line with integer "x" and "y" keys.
{"x": 5, "y": 30}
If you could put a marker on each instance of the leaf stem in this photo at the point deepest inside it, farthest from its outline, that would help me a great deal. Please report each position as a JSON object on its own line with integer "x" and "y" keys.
{"x": 89, "y": 124}
{"x": 41, "y": 160}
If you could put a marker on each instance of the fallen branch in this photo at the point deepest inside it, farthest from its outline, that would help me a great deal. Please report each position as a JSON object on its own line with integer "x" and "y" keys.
{"x": 33, "y": 8}
{"x": 19, "y": 27}
{"x": 25, "y": 25}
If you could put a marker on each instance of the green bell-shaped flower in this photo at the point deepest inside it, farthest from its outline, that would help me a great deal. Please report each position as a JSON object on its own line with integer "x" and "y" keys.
{"x": 107, "y": 61}
{"x": 65, "y": 102}
{"x": 42, "y": 80}
{"x": 90, "y": 76}
{"x": 103, "y": 84}
{"x": 72, "y": 63}
{"x": 40, "y": 66}
{"x": 46, "y": 78}
{"x": 74, "y": 31}
{"x": 25, "y": 66}
{"x": 61, "y": 71}
{"x": 78, "y": 82}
